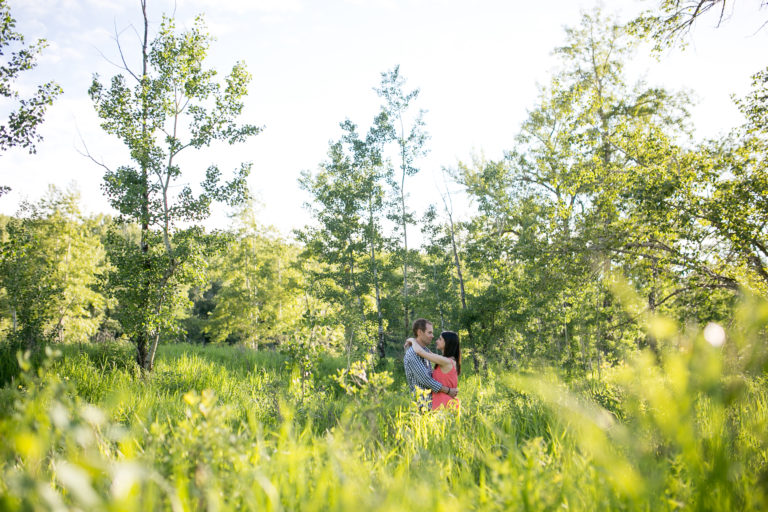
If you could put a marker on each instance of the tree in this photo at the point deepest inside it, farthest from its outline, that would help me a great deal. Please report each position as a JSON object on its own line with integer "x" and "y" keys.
{"x": 731, "y": 171}
{"x": 410, "y": 138}
{"x": 439, "y": 296}
{"x": 80, "y": 260}
{"x": 21, "y": 129}
{"x": 258, "y": 298}
{"x": 735, "y": 180}
{"x": 29, "y": 279}
{"x": 50, "y": 267}
{"x": 172, "y": 87}
{"x": 673, "y": 19}
{"x": 346, "y": 193}
{"x": 453, "y": 232}
{"x": 22, "y": 124}
{"x": 373, "y": 172}
{"x": 597, "y": 182}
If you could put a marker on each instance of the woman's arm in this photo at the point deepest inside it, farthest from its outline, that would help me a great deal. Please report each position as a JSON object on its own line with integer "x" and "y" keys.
{"x": 445, "y": 363}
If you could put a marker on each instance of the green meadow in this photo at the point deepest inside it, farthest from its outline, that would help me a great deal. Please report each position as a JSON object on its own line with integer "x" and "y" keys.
{"x": 228, "y": 428}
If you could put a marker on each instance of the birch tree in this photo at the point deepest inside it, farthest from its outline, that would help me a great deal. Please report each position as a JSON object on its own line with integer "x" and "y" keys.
{"x": 410, "y": 137}
{"x": 170, "y": 104}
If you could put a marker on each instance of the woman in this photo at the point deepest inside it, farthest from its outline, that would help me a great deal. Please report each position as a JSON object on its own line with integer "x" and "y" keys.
{"x": 447, "y": 367}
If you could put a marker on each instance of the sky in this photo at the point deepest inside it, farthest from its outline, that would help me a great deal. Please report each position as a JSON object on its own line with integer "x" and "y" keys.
{"x": 478, "y": 65}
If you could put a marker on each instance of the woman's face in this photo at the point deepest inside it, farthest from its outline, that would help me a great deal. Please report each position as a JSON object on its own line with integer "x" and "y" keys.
{"x": 440, "y": 343}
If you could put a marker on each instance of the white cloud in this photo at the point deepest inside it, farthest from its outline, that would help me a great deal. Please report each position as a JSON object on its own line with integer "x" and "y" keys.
{"x": 220, "y": 28}
{"x": 40, "y": 8}
{"x": 53, "y": 15}
{"x": 56, "y": 53}
{"x": 388, "y": 4}
{"x": 96, "y": 35}
{"x": 114, "y": 6}
{"x": 272, "y": 19}
{"x": 246, "y": 6}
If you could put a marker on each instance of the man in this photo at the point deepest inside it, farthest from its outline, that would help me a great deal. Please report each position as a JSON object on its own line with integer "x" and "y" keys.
{"x": 418, "y": 371}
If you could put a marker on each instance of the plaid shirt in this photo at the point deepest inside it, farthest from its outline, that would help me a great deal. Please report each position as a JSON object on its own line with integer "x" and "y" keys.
{"x": 418, "y": 372}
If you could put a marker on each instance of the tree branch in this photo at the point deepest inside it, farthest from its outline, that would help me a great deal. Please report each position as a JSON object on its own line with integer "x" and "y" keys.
{"x": 88, "y": 155}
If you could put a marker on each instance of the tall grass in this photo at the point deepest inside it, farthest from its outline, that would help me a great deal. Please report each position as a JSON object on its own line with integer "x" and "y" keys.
{"x": 220, "y": 428}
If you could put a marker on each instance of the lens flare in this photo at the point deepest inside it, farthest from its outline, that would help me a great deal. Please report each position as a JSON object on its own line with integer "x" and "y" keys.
{"x": 714, "y": 334}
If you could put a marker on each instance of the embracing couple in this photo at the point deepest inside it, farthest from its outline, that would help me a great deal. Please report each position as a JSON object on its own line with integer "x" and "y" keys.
{"x": 443, "y": 379}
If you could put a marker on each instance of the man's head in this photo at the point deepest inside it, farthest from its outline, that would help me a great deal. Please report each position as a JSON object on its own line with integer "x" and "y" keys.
{"x": 423, "y": 331}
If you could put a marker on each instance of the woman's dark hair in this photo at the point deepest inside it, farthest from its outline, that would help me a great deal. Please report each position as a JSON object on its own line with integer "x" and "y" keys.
{"x": 420, "y": 324}
{"x": 452, "y": 348}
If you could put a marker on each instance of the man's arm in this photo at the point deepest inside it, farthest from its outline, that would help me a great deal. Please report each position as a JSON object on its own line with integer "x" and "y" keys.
{"x": 421, "y": 374}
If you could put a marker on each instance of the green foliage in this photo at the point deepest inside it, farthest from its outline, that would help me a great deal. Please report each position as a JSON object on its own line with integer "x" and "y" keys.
{"x": 407, "y": 131}
{"x": 362, "y": 381}
{"x": 736, "y": 182}
{"x": 588, "y": 392}
{"x": 435, "y": 275}
{"x": 598, "y": 180}
{"x": 173, "y": 104}
{"x": 167, "y": 291}
{"x": 29, "y": 281}
{"x": 683, "y": 430}
{"x": 683, "y": 421}
{"x": 348, "y": 240}
{"x": 259, "y": 297}
{"x": 21, "y": 128}
{"x": 50, "y": 264}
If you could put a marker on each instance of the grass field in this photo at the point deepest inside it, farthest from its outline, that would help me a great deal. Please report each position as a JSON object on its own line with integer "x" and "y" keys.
{"x": 225, "y": 428}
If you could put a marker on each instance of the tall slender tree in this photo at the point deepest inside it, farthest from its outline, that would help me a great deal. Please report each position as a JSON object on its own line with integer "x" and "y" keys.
{"x": 374, "y": 172}
{"x": 408, "y": 133}
{"x": 174, "y": 105}
{"x": 337, "y": 240}
{"x": 348, "y": 192}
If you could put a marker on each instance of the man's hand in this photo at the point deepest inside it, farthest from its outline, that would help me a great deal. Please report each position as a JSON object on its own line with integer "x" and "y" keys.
{"x": 408, "y": 343}
{"x": 453, "y": 392}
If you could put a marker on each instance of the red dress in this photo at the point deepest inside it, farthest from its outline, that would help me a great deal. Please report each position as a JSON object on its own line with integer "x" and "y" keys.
{"x": 451, "y": 380}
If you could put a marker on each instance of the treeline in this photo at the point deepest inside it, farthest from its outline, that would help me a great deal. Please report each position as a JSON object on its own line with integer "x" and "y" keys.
{"x": 55, "y": 270}
{"x": 606, "y": 211}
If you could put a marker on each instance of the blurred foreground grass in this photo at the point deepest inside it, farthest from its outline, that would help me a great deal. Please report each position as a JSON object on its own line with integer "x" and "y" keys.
{"x": 222, "y": 428}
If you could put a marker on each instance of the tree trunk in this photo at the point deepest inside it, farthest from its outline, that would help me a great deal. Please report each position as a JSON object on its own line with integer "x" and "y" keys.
{"x": 467, "y": 323}
{"x": 142, "y": 340}
{"x": 405, "y": 230}
{"x": 475, "y": 358}
{"x": 650, "y": 339}
{"x": 375, "y": 268}
{"x": 142, "y": 355}
{"x": 462, "y": 294}
{"x": 153, "y": 351}
{"x": 437, "y": 298}
{"x": 457, "y": 262}
{"x": 567, "y": 343}
{"x": 354, "y": 291}
{"x": 405, "y": 271}
{"x": 598, "y": 336}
